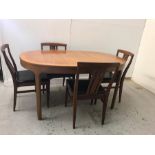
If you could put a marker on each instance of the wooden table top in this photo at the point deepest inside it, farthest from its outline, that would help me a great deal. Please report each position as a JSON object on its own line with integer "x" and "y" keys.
{"x": 66, "y": 58}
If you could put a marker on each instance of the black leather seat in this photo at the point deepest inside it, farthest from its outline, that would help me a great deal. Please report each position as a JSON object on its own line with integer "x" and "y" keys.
{"x": 28, "y": 76}
{"x": 82, "y": 86}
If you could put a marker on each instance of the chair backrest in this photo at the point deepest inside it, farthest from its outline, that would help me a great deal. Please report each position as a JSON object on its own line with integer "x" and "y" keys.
{"x": 97, "y": 72}
{"x": 9, "y": 60}
{"x": 128, "y": 57}
{"x": 53, "y": 46}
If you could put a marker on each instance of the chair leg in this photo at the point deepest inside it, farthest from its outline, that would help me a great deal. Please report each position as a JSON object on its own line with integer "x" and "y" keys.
{"x": 63, "y": 81}
{"x": 91, "y": 102}
{"x": 43, "y": 88}
{"x": 48, "y": 93}
{"x": 104, "y": 107}
{"x": 95, "y": 101}
{"x": 120, "y": 91}
{"x": 73, "y": 77}
{"x": 66, "y": 96}
{"x": 74, "y": 115}
{"x": 114, "y": 96}
{"x": 74, "y": 111}
{"x": 89, "y": 77}
{"x": 15, "y": 98}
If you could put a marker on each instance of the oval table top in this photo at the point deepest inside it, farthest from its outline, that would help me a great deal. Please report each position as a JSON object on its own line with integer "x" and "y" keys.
{"x": 66, "y": 58}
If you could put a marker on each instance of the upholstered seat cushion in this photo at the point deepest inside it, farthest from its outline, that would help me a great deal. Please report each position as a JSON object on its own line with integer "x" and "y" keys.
{"x": 28, "y": 76}
{"x": 82, "y": 85}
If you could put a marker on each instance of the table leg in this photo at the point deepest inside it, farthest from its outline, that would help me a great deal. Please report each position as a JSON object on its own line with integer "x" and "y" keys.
{"x": 38, "y": 95}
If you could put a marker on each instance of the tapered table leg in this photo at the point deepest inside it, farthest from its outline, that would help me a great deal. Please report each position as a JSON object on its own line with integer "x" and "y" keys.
{"x": 38, "y": 95}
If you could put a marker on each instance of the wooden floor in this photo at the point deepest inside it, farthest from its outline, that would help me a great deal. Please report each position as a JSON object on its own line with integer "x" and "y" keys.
{"x": 135, "y": 115}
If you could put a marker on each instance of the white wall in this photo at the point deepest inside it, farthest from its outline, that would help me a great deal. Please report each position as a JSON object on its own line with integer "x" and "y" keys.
{"x": 144, "y": 72}
{"x": 107, "y": 36}
{"x": 97, "y": 35}
{"x": 1, "y": 43}
{"x": 24, "y": 35}
{"x": 0, "y": 32}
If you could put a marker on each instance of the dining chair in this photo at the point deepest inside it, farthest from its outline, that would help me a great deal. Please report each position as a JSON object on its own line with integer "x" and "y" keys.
{"x": 119, "y": 80}
{"x": 56, "y": 46}
{"x": 81, "y": 89}
{"x": 22, "y": 78}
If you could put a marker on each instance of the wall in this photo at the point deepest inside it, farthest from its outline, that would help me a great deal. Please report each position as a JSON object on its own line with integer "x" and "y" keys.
{"x": 96, "y": 35}
{"x": 24, "y": 35}
{"x": 1, "y": 44}
{"x": 107, "y": 36}
{"x": 0, "y": 32}
{"x": 144, "y": 72}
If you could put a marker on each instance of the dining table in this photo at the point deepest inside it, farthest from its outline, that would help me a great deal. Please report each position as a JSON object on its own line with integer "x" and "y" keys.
{"x": 60, "y": 62}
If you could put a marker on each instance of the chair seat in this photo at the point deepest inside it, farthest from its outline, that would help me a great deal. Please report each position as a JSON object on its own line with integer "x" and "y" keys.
{"x": 108, "y": 76}
{"x": 27, "y": 76}
{"x": 52, "y": 76}
{"x": 82, "y": 86}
